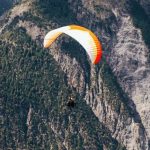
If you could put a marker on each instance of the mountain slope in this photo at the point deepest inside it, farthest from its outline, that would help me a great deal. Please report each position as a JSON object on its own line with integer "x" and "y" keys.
{"x": 34, "y": 98}
{"x": 36, "y": 83}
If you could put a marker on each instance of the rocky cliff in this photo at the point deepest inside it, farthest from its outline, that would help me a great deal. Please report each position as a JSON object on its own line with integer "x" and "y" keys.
{"x": 112, "y": 98}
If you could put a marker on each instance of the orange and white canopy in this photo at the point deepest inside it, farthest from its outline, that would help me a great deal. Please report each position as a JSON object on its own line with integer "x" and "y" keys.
{"x": 84, "y": 36}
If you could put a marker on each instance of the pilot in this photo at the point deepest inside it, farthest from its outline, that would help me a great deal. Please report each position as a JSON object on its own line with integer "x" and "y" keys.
{"x": 71, "y": 102}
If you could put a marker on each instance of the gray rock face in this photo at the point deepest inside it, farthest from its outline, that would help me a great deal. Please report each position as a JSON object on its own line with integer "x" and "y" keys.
{"x": 129, "y": 62}
{"x": 118, "y": 98}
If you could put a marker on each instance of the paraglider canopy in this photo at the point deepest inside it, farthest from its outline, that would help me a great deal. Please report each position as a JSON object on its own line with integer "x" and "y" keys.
{"x": 84, "y": 36}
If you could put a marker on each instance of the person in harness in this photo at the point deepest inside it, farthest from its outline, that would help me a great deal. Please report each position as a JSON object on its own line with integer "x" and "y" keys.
{"x": 71, "y": 102}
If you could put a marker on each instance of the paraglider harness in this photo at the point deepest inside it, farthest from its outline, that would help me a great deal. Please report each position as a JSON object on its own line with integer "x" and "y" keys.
{"x": 71, "y": 103}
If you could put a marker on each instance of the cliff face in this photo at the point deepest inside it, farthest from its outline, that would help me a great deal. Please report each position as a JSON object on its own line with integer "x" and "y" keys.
{"x": 112, "y": 98}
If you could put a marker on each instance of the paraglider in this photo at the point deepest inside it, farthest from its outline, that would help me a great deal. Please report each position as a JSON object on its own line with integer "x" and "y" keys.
{"x": 85, "y": 37}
